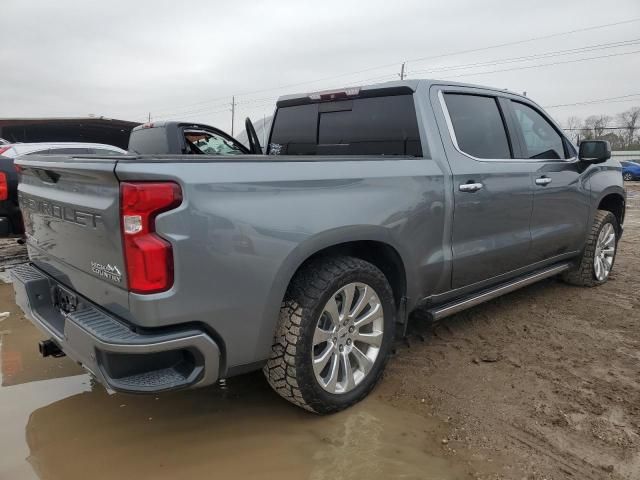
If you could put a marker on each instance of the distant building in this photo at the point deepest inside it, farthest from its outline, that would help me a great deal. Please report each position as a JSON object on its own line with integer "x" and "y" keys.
{"x": 90, "y": 129}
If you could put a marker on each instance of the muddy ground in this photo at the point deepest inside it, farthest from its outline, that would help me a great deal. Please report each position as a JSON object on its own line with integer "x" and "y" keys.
{"x": 541, "y": 384}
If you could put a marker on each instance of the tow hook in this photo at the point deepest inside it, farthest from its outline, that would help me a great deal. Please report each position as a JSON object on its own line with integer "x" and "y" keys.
{"x": 49, "y": 348}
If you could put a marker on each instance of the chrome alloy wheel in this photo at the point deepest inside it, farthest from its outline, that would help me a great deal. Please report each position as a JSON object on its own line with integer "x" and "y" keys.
{"x": 605, "y": 251}
{"x": 347, "y": 338}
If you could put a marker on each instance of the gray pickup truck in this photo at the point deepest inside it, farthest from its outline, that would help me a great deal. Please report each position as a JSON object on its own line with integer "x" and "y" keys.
{"x": 160, "y": 272}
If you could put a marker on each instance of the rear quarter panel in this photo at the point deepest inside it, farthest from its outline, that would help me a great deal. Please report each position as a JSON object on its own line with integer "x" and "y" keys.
{"x": 246, "y": 226}
{"x": 604, "y": 179}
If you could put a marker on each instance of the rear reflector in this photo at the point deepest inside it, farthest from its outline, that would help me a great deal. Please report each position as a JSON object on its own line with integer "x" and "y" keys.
{"x": 148, "y": 257}
{"x": 4, "y": 187}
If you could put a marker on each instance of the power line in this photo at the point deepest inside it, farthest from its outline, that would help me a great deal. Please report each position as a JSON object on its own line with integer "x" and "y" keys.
{"x": 257, "y": 102}
{"x": 601, "y": 128}
{"x": 431, "y": 57}
{"x": 191, "y": 114}
{"x": 526, "y": 67}
{"x": 532, "y": 39}
{"x": 458, "y": 52}
{"x": 587, "y": 102}
{"x": 272, "y": 99}
{"x": 199, "y": 110}
{"x": 555, "y": 53}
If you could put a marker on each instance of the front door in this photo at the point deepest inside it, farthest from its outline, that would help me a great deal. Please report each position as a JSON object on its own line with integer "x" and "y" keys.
{"x": 493, "y": 191}
{"x": 560, "y": 215}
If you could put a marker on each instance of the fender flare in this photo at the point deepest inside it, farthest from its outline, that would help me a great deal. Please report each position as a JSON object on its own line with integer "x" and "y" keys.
{"x": 299, "y": 255}
{"x": 613, "y": 189}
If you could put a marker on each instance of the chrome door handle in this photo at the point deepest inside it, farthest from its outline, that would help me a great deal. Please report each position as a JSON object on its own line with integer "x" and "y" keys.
{"x": 470, "y": 187}
{"x": 543, "y": 181}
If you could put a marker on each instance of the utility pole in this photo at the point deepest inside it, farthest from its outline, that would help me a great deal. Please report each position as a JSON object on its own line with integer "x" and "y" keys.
{"x": 233, "y": 112}
{"x": 402, "y": 74}
{"x": 149, "y": 117}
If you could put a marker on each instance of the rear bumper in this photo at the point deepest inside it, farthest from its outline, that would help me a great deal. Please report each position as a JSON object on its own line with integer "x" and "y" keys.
{"x": 121, "y": 358}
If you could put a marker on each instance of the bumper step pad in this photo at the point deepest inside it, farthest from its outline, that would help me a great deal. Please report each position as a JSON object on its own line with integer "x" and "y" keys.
{"x": 120, "y": 357}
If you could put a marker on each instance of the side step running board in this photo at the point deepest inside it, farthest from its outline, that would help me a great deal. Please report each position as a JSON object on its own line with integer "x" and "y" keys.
{"x": 442, "y": 311}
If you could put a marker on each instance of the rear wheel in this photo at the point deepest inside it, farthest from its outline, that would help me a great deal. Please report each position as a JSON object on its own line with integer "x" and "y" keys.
{"x": 599, "y": 254}
{"x": 334, "y": 337}
{"x": 628, "y": 177}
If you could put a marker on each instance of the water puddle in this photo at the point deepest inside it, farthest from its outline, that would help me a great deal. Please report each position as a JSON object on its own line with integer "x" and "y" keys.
{"x": 56, "y": 423}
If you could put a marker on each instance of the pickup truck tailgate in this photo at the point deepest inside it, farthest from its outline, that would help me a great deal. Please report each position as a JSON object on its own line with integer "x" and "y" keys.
{"x": 71, "y": 212}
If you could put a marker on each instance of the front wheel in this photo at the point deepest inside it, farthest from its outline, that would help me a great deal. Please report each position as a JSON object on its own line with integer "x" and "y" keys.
{"x": 599, "y": 254}
{"x": 628, "y": 177}
{"x": 334, "y": 337}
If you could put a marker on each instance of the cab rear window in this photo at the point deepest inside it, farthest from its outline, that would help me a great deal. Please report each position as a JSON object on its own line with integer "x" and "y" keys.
{"x": 362, "y": 126}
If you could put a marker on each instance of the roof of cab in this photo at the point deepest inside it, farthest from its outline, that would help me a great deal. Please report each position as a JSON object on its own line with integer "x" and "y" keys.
{"x": 395, "y": 84}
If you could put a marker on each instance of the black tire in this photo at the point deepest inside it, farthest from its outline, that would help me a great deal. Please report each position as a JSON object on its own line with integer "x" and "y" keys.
{"x": 583, "y": 274}
{"x": 289, "y": 371}
{"x": 628, "y": 177}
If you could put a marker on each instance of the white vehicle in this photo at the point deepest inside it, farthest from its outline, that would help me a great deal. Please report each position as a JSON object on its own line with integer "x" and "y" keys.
{"x": 10, "y": 217}
{"x": 59, "y": 148}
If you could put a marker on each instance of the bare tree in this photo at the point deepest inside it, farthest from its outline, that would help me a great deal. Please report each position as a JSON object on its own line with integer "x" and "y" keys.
{"x": 573, "y": 128}
{"x": 598, "y": 124}
{"x": 629, "y": 121}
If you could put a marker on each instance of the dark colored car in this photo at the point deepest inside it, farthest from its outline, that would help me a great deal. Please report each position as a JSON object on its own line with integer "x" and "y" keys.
{"x": 630, "y": 170}
{"x": 182, "y": 138}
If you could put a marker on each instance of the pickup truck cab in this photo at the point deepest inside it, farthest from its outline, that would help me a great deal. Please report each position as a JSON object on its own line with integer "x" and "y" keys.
{"x": 160, "y": 272}
{"x": 182, "y": 138}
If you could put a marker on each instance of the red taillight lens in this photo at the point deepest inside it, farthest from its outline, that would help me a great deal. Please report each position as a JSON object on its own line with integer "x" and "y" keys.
{"x": 148, "y": 257}
{"x": 4, "y": 149}
{"x": 4, "y": 186}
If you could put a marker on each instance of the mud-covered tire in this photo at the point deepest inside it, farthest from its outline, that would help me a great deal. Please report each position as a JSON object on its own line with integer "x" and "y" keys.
{"x": 289, "y": 370}
{"x": 583, "y": 274}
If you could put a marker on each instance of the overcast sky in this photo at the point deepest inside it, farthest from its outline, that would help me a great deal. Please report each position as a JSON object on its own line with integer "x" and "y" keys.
{"x": 185, "y": 59}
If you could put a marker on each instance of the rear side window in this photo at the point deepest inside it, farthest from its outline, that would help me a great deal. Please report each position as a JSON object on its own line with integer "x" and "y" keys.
{"x": 541, "y": 140}
{"x": 362, "y": 126}
{"x": 148, "y": 140}
{"x": 478, "y": 125}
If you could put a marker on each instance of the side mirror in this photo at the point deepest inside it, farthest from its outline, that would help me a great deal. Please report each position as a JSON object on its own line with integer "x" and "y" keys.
{"x": 594, "y": 151}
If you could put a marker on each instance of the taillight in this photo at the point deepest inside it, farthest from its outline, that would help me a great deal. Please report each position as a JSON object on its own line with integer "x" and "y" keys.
{"x": 148, "y": 257}
{"x": 4, "y": 186}
{"x": 4, "y": 149}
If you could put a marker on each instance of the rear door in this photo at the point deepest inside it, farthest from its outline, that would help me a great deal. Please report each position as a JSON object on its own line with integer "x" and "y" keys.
{"x": 493, "y": 191}
{"x": 561, "y": 200}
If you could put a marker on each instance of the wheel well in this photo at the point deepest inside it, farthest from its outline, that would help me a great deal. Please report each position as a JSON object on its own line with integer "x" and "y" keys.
{"x": 613, "y": 203}
{"x": 380, "y": 254}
